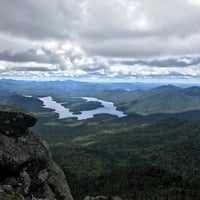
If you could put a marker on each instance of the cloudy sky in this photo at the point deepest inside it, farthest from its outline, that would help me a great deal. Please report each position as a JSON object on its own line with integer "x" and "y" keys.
{"x": 98, "y": 40}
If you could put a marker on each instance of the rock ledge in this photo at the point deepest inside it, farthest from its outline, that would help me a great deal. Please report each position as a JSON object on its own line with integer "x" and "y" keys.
{"x": 27, "y": 171}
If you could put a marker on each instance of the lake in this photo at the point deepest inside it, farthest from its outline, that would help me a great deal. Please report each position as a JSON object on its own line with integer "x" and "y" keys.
{"x": 108, "y": 108}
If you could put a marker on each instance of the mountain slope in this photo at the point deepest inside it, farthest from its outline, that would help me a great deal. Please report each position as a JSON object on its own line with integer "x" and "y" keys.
{"x": 171, "y": 144}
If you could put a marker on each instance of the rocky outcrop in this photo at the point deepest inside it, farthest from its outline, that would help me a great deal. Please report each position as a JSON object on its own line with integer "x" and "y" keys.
{"x": 103, "y": 198}
{"x": 27, "y": 171}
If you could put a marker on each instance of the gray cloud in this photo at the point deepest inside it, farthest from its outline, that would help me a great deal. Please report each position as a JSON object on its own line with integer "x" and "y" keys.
{"x": 30, "y": 56}
{"x": 164, "y": 62}
{"x": 108, "y": 28}
{"x": 39, "y": 20}
{"x": 104, "y": 38}
{"x": 93, "y": 67}
{"x": 153, "y": 28}
{"x": 40, "y": 69}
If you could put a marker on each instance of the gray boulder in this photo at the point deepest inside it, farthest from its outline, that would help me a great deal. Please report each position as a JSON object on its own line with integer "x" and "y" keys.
{"x": 14, "y": 121}
{"x": 27, "y": 171}
{"x": 103, "y": 198}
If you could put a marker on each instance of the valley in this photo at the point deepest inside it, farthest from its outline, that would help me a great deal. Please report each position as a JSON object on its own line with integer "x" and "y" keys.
{"x": 155, "y": 131}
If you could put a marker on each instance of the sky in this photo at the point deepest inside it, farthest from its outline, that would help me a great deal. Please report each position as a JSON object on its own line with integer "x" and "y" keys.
{"x": 106, "y": 40}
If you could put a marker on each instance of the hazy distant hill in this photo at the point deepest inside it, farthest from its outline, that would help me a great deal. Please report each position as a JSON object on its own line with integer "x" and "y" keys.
{"x": 143, "y": 101}
{"x": 163, "y": 99}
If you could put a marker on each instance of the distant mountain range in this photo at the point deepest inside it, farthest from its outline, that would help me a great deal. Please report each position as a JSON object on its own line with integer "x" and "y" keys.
{"x": 152, "y": 153}
{"x": 132, "y": 98}
{"x": 165, "y": 99}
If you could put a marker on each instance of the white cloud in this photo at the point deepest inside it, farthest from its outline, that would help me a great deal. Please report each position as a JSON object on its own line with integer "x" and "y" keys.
{"x": 79, "y": 38}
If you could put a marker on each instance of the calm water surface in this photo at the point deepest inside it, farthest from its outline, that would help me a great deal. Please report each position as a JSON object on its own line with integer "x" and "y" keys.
{"x": 108, "y": 108}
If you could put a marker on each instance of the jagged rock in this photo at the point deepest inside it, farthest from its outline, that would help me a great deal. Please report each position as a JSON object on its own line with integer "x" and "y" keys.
{"x": 14, "y": 121}
{"x": 57, "y": 177}
{"x": 96, "y": 198}
{"x": 116, "y": 198}
{"x": 103, "y": 198}
{"x": 27, "y": 171}
{"x": 29, "y": 153}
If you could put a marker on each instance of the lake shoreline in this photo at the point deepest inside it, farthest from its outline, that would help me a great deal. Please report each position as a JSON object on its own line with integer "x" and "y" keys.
{"x": 64, "y": 112}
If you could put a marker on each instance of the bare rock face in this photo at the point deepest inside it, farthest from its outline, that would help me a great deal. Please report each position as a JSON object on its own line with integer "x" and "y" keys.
{"x": 14, "y": 121}
{"x": 103, "y": 198}
{"x": 27, "y": 171}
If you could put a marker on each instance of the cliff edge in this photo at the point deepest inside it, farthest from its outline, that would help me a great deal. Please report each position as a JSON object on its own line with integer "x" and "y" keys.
{"x": 27, "y": 171}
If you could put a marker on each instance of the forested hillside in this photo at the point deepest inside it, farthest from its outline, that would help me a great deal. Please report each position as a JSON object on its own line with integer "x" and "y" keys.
{"x": 152, "y": 152}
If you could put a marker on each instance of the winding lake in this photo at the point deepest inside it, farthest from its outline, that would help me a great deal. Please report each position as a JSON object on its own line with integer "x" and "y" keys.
{"x": 108, "y": 108}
